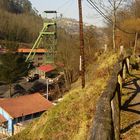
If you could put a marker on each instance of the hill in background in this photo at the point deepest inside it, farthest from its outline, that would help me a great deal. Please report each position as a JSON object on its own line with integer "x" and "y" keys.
{"x": 19, "y": 21}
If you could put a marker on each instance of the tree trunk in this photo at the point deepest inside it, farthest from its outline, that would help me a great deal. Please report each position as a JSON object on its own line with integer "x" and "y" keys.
{"x": 67, "y": 82}
{"x": 89, "y": 47}
{"x": 135, "y": 45}
{"x": 10, "y": 88}
{"x": 114, "y": 29}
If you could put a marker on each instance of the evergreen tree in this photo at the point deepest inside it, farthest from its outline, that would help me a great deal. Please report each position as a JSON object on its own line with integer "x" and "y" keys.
{"x": 12, "y": 68}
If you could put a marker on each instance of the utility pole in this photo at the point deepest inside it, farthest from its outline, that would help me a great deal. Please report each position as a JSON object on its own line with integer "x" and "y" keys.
{"x": 82, "y": 54}
{"x": 47, "y": 89}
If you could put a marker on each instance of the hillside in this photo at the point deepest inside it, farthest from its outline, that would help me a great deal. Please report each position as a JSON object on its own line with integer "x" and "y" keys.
{"x": 15, "y": 17}
{"x": 73, "y": 117}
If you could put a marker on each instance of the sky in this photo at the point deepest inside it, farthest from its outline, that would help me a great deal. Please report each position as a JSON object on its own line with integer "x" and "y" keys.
{"x": 69, "y": 8}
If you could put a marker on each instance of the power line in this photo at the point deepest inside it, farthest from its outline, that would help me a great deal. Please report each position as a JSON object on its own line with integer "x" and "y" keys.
{"x": 65, "y": 3}
{"x": 99, "y": 11}
{"x": 95, "y": 15}
{"x": 105, "y": 17}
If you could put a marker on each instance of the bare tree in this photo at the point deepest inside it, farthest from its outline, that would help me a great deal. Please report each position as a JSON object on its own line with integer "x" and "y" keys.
{"x": 114, "y": 4}
{"x": 110, "y": 8}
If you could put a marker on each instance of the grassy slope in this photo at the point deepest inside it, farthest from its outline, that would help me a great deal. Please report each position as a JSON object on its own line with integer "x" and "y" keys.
{"x": 72, "y": 118}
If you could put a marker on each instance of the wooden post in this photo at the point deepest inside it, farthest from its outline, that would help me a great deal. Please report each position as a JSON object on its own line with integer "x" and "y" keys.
{"x": 105, "y": 48}
{"x": 135, "y": 45}
{"x": 82, "y": 53}
{"x": 115, "y": 104}
{"x": 124, "y": 72}
{"x": 120, "y": 82}
{"x": 128, "y": 64}
{"x": 121, "y": 49}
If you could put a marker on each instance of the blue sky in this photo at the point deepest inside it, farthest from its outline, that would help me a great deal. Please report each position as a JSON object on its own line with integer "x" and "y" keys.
{"x": 69, "y": 8}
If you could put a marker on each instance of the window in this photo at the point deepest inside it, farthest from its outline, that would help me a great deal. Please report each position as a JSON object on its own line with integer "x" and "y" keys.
{"x": 40, "y": 58}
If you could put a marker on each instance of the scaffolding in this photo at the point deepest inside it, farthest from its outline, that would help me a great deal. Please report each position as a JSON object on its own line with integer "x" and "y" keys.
{"x": 48, "y": 37}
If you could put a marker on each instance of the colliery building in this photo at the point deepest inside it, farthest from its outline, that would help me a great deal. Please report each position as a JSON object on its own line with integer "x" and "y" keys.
{"x": 39, "y": 57}
{"x": 18, "y": 111}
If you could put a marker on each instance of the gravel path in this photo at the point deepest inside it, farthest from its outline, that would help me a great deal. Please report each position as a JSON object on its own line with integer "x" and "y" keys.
{"x": 130, "y": 114}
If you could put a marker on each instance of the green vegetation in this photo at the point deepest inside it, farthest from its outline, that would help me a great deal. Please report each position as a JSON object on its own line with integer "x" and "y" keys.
{"x": 126, "y": 16}
{"x": 12, "y": 68}
{"x": 15, "y": 16}
{"x": 16, "y": 6}
{"x": 68, "y": 51}
{"x": 73, "y": 117}
{"x": 19, "y": 22}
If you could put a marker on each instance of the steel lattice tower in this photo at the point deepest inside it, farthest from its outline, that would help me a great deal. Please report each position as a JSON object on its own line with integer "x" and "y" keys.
{"x": 48, "y": 36}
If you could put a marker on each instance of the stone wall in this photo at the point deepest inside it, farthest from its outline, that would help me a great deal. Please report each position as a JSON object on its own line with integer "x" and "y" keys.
{"x": 106, "y": 124}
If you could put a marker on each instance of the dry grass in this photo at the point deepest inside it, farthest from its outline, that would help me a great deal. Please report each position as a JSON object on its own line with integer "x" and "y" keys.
{"x": 73, "y": 117}
{"x": 129, "y": 120}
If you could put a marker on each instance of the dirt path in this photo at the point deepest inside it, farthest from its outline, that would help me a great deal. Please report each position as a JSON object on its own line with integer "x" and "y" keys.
{"x": 130, "y": 114}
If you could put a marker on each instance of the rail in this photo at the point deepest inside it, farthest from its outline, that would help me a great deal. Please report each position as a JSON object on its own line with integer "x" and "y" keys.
{"x": 106, "y": 124}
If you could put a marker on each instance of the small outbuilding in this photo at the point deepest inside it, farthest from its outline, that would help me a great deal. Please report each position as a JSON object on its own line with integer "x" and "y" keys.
{"x": 21, "y": 109}
{"x": 44, "y": 69}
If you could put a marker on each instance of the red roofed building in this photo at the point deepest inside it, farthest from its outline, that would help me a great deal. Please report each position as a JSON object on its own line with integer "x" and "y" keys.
{"x": 40, "y": 55}
{"x": 21, "y": 109}
{"x": 27, "y": 50}
{"x": 46, "y": 68}
{"x": 42, "y": 70}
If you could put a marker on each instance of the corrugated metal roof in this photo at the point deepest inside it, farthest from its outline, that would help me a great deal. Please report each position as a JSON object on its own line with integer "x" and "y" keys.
{"x": 26, "y": 50}
{"x": 2, "y": 119}
{"x": 46, "y": 68}
{"x": 25, "y": 105}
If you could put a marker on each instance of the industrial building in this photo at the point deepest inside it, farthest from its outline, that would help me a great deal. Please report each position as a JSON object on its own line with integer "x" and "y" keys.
{"x": 15, "y": 111}
{"x": 39, "y": 58}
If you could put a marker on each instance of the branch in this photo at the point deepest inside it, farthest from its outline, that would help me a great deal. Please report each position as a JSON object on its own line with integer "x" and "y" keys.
{"x": 118, "y": 4}
{"x": 110, "y": 3}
